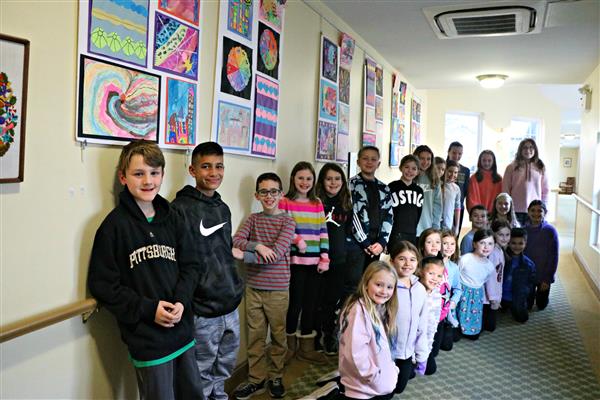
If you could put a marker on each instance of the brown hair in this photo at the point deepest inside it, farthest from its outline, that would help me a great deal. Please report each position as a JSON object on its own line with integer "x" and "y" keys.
{"x": 535, "y": 160}
{"x": 292, "y": 193}
{"x": 150, "y": 151}
{"x": 431, "y": 173}
{"x": 454, "y": 257}
{"x": 344, "y": 193}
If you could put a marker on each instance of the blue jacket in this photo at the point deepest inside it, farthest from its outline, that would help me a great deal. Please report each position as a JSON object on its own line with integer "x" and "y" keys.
{"x": 411, "y": 322}
{"x": 521, "y": 273}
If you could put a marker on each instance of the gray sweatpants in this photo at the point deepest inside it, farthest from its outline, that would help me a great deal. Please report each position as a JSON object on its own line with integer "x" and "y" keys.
{"x": 217, "y": 345}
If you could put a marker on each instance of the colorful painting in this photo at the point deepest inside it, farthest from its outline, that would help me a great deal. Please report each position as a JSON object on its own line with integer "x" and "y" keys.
{"x": 379, "y": 108}
{"x": 401, "y": 134}
{"x": 117, "y": 103}
{"x": 271, "y": 13}
{"x": 239, "y": 17}
{"x": 236, "y": 74}
{"x": 341, "y": 148}
{"x": 369, "y": 139}
{"x": 233, "y": 126}
{"x": 326, "y": 141}
{"x": 187, "y": 10}
{"x": 175, "y": 47}
{"x": 402, "y": 92}
{"x": 344, "y": 86}
{"x": 370, "y": 82}
{"x": 378, "y": 128}
{"x": 329, "y": 59}
{"x": 344, "y": 119}
{"x": 346, "y": 51}
{"x": 369, "y": 123}
{"x": 328, "y": 100}
{"x": 402, "y": 113}
{"x": 415, "y": 134}
{"x": 395, "y": 136}
{"x": 268, "y": 50}
{"x": 379, "y": 80}
{"x": 264, "y": 141}
{"x": 119, "y": 30}
{"x": 394, "y": 154}
{"x": 180, "y": 124}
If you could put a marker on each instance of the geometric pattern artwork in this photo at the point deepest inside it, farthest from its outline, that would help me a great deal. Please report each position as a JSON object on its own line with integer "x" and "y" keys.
{"x": 175, "y": 47}
{"x": 541, "y": 359}
{"x": 180, "y": 124}
{"x": 330, "y": 60}
{"x": 344, "y": 86}
{"x": 188, "y": 10}
{"x": 326, "y": 138}
{"x": 328, "y": 101}
{"x": 119, "y": 30}
{"x": 271, "y": 12}
{"x": 236, "y": 75}
{"x": 264, "y": 141}
{"x": 239, "y": 17}
{"x": 268, "y": 50}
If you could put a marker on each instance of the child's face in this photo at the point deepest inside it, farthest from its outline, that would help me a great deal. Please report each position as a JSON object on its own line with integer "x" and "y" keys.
{"x": 368, "y": 162}
{"x": 487, "y": 161}
{"x": 455, "y": 153}
{"x": 142, "y": 180}
{"x": 208, "y": 172}
{"x": 269, "y": 194}
{"x": 536, "y": 214}
{"x": 433, "y": 275}
{"x": 517, "y": 245}
{"x": 502, "y": 206}
{"x": 424, "y": 160}
{"x": 380, "y": 287}
{"x": 432, "y": 245}
{"x": 409, "y": 170}
{"x": 479, "y": 219}
{"x": 333, "y": 182}
{"x": 303, "y": 182}
{"x": 451, "y": 174}
{"x": 405, "y": 263}
{"x": 448, "y": 246}
{"x": 502, "y": 237}
{"x": 527, "y": 151}
{"x": 440, "y": 169}
{"x": 484, "y": 247}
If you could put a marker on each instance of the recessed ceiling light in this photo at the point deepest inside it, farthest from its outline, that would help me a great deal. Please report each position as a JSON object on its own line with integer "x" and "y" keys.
{"x": 491, "y": 81}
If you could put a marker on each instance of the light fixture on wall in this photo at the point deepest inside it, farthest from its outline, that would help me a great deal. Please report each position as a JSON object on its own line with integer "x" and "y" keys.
{"x": 491, "y": 81}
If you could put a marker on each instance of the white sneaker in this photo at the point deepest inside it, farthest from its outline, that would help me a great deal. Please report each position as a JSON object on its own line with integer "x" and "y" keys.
{"x": 321, "y": 392}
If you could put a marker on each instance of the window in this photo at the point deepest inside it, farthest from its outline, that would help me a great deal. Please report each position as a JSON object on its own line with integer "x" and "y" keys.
{"x": 465, "y": 128}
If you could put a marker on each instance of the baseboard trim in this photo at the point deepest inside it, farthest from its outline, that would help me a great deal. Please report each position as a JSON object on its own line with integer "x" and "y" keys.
{"x": 239, "y": 375}
{"x": 583, "y": 267}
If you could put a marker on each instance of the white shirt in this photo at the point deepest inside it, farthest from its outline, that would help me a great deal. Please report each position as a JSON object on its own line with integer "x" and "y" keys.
{"x": 474, "y": 270}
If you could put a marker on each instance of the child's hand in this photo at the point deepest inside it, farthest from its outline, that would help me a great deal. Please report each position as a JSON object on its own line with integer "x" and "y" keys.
{"x": 420, "y": 368}
{"x": 322, "y": 267}
{"x": 177, "y": 312}
{"x": 237, "y": 253}
{"x": 266, "y": 253}
{"x": 301, "y": 246}
{"x": 376, "y": 249}
{"x": 163, "y": 316}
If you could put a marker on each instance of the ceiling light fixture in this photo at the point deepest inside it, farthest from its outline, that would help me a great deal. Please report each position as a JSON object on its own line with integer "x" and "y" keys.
{"x": 491, "y": 81}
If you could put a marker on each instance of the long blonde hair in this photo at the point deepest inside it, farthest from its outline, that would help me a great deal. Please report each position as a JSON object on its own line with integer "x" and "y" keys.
{"x": 382, "y": 317}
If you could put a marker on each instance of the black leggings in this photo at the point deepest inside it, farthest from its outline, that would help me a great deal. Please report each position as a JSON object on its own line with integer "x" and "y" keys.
{"x": 539, "y": 297}
{"x": 406, "y": 367}
{"x": 305, "y": 283}
{"x": 435, "y": 349}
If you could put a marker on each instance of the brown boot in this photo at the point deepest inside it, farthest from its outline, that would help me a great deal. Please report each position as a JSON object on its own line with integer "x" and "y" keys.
{"x": 292, "y": 347}
{"x": 307, "y": 352}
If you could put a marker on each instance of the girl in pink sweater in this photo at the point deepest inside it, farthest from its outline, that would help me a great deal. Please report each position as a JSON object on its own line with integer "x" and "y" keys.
{"x": 486, "y": 183}
{"x": 368, "y": 319}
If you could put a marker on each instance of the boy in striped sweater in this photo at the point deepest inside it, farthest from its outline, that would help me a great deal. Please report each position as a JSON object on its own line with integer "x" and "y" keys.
{"x": 263, "y": 242}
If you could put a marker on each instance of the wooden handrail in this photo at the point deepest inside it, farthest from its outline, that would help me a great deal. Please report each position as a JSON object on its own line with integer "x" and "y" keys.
{"x": 51, "y": 317}
{"x": 586, "y": 203}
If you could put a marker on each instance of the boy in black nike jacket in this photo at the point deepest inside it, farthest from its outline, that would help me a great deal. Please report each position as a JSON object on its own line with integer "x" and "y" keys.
{"x": 143, "y": 269}
{"x": 220, "y": 288}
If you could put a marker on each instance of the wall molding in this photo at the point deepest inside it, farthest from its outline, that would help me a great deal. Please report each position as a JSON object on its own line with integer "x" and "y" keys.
{"x": 585, "y": 270}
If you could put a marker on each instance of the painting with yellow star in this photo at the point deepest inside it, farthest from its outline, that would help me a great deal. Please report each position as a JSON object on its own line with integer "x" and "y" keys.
{"x": 175, "y": 47}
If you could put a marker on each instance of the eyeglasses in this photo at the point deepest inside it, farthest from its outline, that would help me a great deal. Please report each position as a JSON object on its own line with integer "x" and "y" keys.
{"x": 272, "y": 192}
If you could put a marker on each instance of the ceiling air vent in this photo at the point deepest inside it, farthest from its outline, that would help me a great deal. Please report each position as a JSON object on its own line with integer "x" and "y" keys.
{"x": 509, "y": 19}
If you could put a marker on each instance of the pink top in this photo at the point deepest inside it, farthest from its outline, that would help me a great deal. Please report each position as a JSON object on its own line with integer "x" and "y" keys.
{"x": 493, "y": 285}
{"x": 522, "y": 190}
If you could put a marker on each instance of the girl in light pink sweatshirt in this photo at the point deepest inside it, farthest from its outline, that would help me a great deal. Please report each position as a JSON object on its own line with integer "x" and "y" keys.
{"x": 368, "y": 319}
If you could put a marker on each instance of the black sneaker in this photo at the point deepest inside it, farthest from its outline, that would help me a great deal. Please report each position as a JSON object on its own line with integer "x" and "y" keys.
{"x": 330, "y": 345}
{"x": 248, "y": 390}
{"x": 276, "y": 389}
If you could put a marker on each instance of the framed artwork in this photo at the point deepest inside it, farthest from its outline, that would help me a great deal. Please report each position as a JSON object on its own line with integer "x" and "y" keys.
{"x": 116, "y": 103}
{"x": 328, "y": 100}
{"x": 188, "y": 10}
{"x": 395, "y": 136}
{"x": 369, "y": 126}
{"x": 567, "y": 162}
{"x": 180, "y": 124}
{"x": 370, "y": 82}
{"x": 264, "y": 141}
{"x": 379, "y": 80}
{"x": 271, "y": 13}
{"x": 344, "y": 119}
{"x": 233, "y": 126}
{"x": 239, "y": 17}
{"x": 268, "y": 51}
{"x": 14, "y": 72}
{"x": 402, "y": 92}
{"x": 326, "y": 139}
{"x": 341, "y": 147}
{"x": 329, "y": 60}
{"x": 369, "y": 139}
{"x": 175, "y": 47}
{"x": 379, "y": 108}
{"x": 346, "y": 51}
{"x": 236, "y": 73}
{"x": 394, "y": 154}
{"x": 119, "y": 30}
{"x": 344, "y": 86}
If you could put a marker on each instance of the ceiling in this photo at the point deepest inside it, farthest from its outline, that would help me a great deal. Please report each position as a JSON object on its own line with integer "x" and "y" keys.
{"x": 565, "y": 52}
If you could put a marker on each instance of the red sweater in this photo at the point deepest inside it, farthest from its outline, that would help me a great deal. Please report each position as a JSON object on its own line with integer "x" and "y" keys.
{"x": 483, "y": 192}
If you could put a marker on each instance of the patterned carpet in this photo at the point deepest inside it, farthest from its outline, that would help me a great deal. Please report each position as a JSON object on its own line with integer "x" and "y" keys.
{"x": 542, "y": 359}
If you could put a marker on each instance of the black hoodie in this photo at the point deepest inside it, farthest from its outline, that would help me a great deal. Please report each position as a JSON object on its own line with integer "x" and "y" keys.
{"x": 136, "y": 263}
{"x": 220, "y": 287}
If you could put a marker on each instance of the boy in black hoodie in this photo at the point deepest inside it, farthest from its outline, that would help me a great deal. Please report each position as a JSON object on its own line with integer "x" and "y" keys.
{"x": 144, "y": 270}
{"x": 220, "y": 288}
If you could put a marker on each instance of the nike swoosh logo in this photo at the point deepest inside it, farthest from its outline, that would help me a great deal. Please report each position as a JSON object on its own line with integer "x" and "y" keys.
{"x": 209, "y": 231}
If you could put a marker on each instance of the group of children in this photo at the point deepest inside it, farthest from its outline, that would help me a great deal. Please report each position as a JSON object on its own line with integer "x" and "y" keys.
{"x": 315, "y": 284}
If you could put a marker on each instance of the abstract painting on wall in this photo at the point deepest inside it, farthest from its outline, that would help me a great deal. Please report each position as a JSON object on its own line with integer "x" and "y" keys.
{"x": 329, "y": 59}
{"x": 266, "y": 98}
{"x": 344, "y": 86}
{"x": 239, "y": 17}
{"x": 346, "y": 51}
{"x": 271, "y": 12}
{"x": 180, "y": 123}
{"x": 341, "y": 148}
{"x": 369, "y": 124}
{"x": 326, "y": 141}
{"x": 379, "y": 108}
{"x": 188, "y": 10}
{"x": 402, "y": 92}
{"x": 379, "y": 80}
{"x": 370, "y": 82}
{"x": 117, "y": 103}
{"x": 236, "y": 73}
{"x": 119, "y": 30}
{"x": 233, "y": 126}
{"x": 268, "y": 51}
{"x": 369, "y": 139}
{"x": 344, "y": 119}
{"x": 394, "y": 154}
{"x": 175, "y": 47}
{"x": 328, "y": 101}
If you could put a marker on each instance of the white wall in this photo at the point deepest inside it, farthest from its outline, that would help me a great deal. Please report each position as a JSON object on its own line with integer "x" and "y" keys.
{"x": 565, "y": 172}
{"x": 48, "y": 221}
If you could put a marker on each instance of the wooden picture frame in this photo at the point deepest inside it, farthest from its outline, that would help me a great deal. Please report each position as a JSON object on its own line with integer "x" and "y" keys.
{"x": 14, "y": 71}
